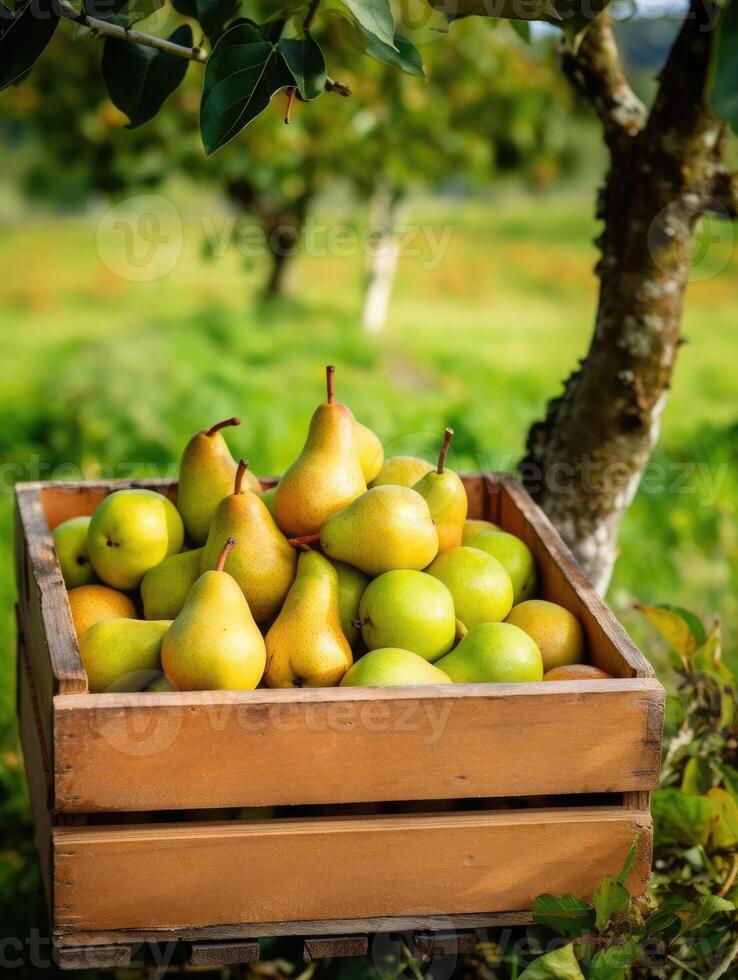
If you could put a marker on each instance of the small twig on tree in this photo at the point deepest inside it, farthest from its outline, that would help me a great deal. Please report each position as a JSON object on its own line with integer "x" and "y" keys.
{"x": 596, "y": 72}
{"x": 310, "y": 15}
{"x": 101, "y": 28}
{"x": 331, "y": 85}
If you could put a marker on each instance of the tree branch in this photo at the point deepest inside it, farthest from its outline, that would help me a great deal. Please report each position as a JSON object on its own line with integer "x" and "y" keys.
{"x": 596, "y": 72}
{"x": 101, "y": 28}
{"x": 724, "y": 192}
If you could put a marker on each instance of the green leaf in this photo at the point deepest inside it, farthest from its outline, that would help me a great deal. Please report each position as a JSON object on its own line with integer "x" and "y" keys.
{"x": 565, "y": 914}
{"x": 680, "y": 818}
{"x": 561, "y": 964}
{"x": 611, "y": 963}
{"x": 724, "y": 832}
{"x": 665, "y": 917}
{"x": 522, "y": 29}
{"x": 698, "y": 776}
{"x": 122, "y": 12}
{"x": 374, "y": 17}
{"x": 211, "y": 15}
{"x": 139, "y": 79}
{"x": 610, "y": 897}
{"x": 698, "y": 914}
{"x": 681, "y": 630}
{"x": 724, "y": 84}
{"x": 404, "y": 55}
{"x": 306, "y": 62}
{"x": 730, "y": 778}
{"x": 629, "y": 859}
{"x": 23, "y": 38}
{"x": 243, "y": 74}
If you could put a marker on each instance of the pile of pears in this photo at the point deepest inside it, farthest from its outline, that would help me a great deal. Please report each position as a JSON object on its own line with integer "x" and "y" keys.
{"x": 354, "y": 571}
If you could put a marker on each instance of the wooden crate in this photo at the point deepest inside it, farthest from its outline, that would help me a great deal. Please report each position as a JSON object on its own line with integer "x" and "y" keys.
{"x": 428, "y": 808}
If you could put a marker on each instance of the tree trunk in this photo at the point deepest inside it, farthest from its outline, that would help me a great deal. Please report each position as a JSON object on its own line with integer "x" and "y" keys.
{"x": 585, "y": 459}
{"x": 381, "y": 265}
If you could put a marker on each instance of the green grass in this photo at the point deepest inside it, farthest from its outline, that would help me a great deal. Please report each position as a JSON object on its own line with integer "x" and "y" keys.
{"x": 104, "y": 376}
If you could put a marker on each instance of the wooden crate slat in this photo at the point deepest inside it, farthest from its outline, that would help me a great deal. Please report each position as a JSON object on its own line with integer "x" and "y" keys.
{"x": 445, "y": 943}
{"x": 194, "y": 874}
{"x": 263, "y": 748}
{"x": 94, "y": 957}
{"x": 222, "y": 953}
{"x": 321, "y": 947}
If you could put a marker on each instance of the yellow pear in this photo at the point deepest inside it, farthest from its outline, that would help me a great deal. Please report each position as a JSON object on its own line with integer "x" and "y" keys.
{"x": 206, "y": 474}
{"x": 214, "y": 644}
{"x": 264, "y": 563}
{"x": 446, "y": 498}
{"x": 89, "y": 604}
{"x": 327, "y": 475}
{"x": 305, "y": 645}
{"x": 403, "y": 471}
{"x": 370, "y": 449}
{"x": 122, "y": 654}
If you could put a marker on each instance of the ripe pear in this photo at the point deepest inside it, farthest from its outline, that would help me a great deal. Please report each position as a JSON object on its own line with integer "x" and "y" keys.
{"x": 305, "y": 645}
{"x": 130, "y": 532}
{"x": 214, "y": 644}
{"x": 410, "y": 610}
{"x": 515, "y": 555}
{"x": 474, "y": 526}
{"x": 90, "y": 604}
{"x": 494, "y": 653}
{"x": 351, "y": 586}
{"x": 402, "y": 471}
{"x": 481, "y": 587}
{"x": 206, "y": 474}
{"x": 385, "y": 528}
{"x": 327, "y": 475}
{"x": 557, "y": 632}
{"x": 392, "y": 666}
{"x": 446, "y": 497}
{"x": 264, "y": 563}
{"x": 70, "y": 543}
{"x": 269, "y": 500}
{"x": 576, "y": 672}
{"x": 165, "y": 587}
{"x": 122, "y": 654}
{"x": 370, "y": 450}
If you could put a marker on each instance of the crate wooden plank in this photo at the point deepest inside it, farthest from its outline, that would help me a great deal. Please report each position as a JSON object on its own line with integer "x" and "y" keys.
{"x": 94, "y": 957}
{"x": 295, "y": 927}
{"x": 37, "y": 768}
{"x": 322, "y": 947}
{"x": 171, "y": 875}
{"x": 563, "y": 582}
{"x": 262, "y": 748}
{"x": 445, "y": 943}
{"x": 217, "y": 954}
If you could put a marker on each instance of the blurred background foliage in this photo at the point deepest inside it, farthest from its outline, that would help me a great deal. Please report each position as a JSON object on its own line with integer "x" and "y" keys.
{"x": 494, "y": 158}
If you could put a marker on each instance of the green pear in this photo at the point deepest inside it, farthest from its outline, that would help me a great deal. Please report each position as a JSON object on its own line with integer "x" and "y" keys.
{"x": 474, "y": 526}
{"x": 410, "y": 610}
{"x": 206, "y": 474}
{"x": 494, "y": 653}
{"x": 327, "y": 475}
{"x": 269, "y": 498}
{"x": 306, "y": 646}
{"x": 385, "y": 528}
{"x": 481, "y": 587}
{"x": 70, "y": 543}
{"x": 351, "y": 586}
{"x": 370, "y": 450}
{"x": 402, "y": 471}
{"x": 264, "y": 563}
{"x": 130, "y": 532}
{"x": 393, "y": 667}
{"x": 214, "y": 644}
{"x": 446, "y": 498}
{"x": 122, "y": 654}
{"x": 515, "y": 555}
{"x": 165, "y": 587}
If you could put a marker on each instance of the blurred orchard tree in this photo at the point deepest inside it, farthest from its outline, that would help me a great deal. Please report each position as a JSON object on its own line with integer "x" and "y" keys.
{"x": 666, "y": 171}
{"x": 392, "y": 136}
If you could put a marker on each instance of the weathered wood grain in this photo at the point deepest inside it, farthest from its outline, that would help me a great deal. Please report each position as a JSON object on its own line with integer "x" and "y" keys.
{"x": 176, "y": 875}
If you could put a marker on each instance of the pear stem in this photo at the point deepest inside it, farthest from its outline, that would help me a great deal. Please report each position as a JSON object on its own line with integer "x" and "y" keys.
{"x": 227, "y": 548}
{"x": 222, "y": 425}
{"x": 243, "y": 465}
{"x": 329, "y": 375}
{"x": 304, "y": 542}
{"x": 447, "y": 437}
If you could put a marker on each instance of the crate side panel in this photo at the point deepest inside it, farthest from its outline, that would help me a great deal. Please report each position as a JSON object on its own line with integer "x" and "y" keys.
{"x": 62, "y": 500}
{"x": 171, "y": 876}
{"x": 175, "y": 751}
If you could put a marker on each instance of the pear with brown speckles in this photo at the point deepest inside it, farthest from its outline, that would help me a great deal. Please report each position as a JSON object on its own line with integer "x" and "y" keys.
{"x": 305, "y": 645}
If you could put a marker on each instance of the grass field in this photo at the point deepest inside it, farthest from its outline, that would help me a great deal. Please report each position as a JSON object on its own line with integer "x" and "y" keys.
{"x": 105, "y": 376}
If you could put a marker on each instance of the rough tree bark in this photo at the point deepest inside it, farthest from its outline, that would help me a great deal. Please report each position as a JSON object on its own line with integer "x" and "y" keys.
{"x": 585, "y": 459}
